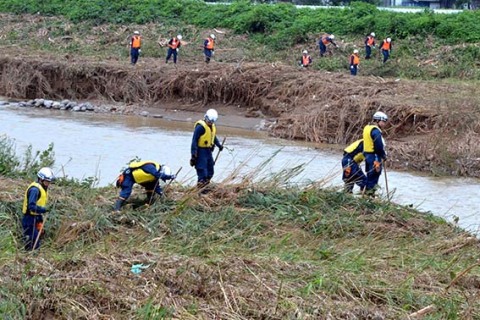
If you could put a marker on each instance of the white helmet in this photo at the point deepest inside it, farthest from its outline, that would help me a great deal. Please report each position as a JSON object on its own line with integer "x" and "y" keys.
{"x": 389, "y": 39}
{"x": 380, "y": 116}
{"x": 332, "y": 36}
{"x": 212, "y": 36}
{"x": 46, "y": 174}
{"x": 166, "y": 170}
{"x": 211, "y": 115}
{"x": 372, "y": 34}
{"x": 179, "y": 37}
{"x": 355, "y": 51}
{"x": 136, "y": 32}
{"x": 305, "y": 51}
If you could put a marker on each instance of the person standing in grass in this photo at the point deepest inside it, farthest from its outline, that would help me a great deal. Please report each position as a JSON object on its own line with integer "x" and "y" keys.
{"x": 173, "y": 46}
{"x": 374, "y": 151}
{"x": 369, "y": 44}
{"x": 203, "y": 144}
{"x": 352, "y": 172}
{"x": 324, "y": 41}
{"x": 354, "y": 62}
{"x": 209, "y": 47}
{"x": 135, "y": 45}
{"x": 305, "y": 60}
{"x": 386, "y": 48}
{"x": 145, "y": 173}
{"x": 34, "y": 207}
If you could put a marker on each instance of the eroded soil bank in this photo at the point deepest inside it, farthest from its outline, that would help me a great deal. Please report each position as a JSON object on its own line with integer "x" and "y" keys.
{"x": 434, "y": 125}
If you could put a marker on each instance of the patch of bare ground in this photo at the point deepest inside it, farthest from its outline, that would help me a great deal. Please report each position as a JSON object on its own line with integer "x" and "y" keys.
{"x": 434, "y": 126}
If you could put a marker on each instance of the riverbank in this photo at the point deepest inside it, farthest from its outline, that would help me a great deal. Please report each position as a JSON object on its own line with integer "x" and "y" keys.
{"x": 433, "y": 126}
{"x": 242, "y": 251}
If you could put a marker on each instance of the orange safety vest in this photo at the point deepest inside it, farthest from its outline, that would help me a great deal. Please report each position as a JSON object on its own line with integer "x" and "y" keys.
{"x": 370, "y": 40}
{"x": 386, "y": 45}
{"x": 354, "y": 59}
{"x": 306, "y": 60}
{"x": 210, "y": 44}
{"x": 175, "y": 43}
{"x": 136, "y": 42}
{"x": 325, "y": 40}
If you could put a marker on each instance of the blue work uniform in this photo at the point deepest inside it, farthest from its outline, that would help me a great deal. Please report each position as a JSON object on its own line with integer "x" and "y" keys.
{"x": 34, "y": 203}
{"x": 146, "y": 174}
{"x": 203, "y": 151}
{"x": 374, "y": 152}
{"x": 352, "y": 172}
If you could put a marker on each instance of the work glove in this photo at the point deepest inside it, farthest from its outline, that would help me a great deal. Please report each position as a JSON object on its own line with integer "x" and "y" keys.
{"x": 352, "y": 67}
{"x": 176, "y": 49}
{"x": 173, "y": 176}
{"x": 193, "y": 161}
{"x": 139, "y": 51}
{"x": 213, "y": 52}
{"x": 220, "y": 148}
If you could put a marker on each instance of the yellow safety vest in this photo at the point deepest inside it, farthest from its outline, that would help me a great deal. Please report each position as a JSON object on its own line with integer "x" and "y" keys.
{"x": 139, "y": 175}
{"x": 359, "y": 157}
{"x": 206, "y": 140}
{"x": 41, "y": 202}
{"x": 368, "y": 143}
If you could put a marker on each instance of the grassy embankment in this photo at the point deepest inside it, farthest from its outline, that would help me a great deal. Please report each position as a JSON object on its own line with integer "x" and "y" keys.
{"x": 244, "y": 251}
{"x": 426, "y": 45}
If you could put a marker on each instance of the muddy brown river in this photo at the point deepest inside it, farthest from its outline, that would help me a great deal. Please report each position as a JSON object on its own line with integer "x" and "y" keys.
{"x": 100, "y": 145}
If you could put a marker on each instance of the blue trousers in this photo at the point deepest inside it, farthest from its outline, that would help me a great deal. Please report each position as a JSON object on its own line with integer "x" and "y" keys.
{"x": 30, "y": 232}
{"x": 205, "y": 165}
{"x": 353, "y": 70}
{"x": 134, "y": 55}
{"x": 373, "y": 174}
{"x": 128, "y": 183}
{"x": 355, "y": 175}
{"x": 170, "y": 53}
{"x": 386, "y": 54}
{"x": 368, "y": 52}
{"x": 323, "y": 48}
{"x": 208, "y": 55}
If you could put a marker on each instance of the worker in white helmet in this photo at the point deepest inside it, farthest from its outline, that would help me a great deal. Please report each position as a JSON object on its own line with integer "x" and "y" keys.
{"x": 209, "y": 47}
{"x": 369, "y": 44}
{"x": 305, "y": 60}
{"x": 324, "y": 41}
{"x": 34, "y": 207}
{"x": 374, "y": 150}
{"x": 204, "y": 141}
{"x": 173, "y": 48}
{"x": 135, "y": 45}
{"x": 386, "y": 48}
{"x": 354, "y": 62}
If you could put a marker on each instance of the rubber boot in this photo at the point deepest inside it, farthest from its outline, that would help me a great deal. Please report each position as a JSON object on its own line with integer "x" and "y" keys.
{"x": 118, "y": 205}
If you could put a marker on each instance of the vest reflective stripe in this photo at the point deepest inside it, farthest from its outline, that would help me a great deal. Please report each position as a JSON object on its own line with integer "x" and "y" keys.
{"x": 386, "y": 45}
{"x": 357, "y": 155}
{"x": 370, "y": 40}
{"x": 41, "y": 202}
{"x": 355, "y": 59}
{"x": 207, "y": 139}
{"x": 136, "y": 42}
{"x": 175, "y": 43}
{"x": 305, "y": 60}
{"x": 368, "y": 145}
{"x": 210, "y": 44}
{"x": 139, "y": 175}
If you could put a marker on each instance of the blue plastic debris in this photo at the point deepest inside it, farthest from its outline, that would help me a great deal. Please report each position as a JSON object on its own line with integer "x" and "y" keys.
{"x": 137, "y": 268}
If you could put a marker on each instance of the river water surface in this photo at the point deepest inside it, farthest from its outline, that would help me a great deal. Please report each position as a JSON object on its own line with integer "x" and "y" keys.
{"x": 99, "y": 145}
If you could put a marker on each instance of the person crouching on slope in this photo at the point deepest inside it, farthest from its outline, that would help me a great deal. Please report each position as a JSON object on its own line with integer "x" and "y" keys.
{"x": 145, "y": 173}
